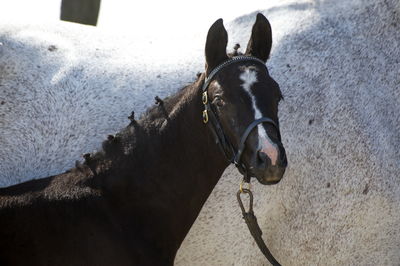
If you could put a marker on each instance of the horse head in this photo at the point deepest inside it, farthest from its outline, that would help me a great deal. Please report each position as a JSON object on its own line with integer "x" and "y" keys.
{"x": 241, "y": 101}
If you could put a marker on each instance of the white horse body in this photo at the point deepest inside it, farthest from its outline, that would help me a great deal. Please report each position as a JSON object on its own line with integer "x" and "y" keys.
{"x": 64, "y": 88}
{"x": 339, "y": 202}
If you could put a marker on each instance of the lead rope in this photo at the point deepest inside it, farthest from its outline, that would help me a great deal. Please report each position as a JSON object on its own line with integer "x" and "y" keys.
{"x": 252, "y": 224}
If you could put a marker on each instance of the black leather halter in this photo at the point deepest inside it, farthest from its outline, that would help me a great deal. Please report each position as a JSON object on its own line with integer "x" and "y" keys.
{"x": 210, "y": 118}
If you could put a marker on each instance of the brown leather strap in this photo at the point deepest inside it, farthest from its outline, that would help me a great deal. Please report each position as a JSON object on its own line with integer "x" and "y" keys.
{"x": 253, "y": 226}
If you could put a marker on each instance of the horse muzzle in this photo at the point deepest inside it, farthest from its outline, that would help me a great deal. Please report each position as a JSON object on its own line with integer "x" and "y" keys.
{"x": 270, "y": 176}
{"x": 266, "y": 172}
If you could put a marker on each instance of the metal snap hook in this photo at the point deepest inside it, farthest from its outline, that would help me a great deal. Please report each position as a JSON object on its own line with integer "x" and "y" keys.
{"x": 238, "y": 195}
{"x": 241, "y": 191}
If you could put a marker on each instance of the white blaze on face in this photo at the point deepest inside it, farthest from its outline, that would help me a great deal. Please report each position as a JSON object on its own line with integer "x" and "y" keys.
{"x": 266, "y": 145}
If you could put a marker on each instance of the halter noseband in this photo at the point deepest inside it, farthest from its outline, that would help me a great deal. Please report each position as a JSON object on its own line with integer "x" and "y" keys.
{"x": 210, "y": 118}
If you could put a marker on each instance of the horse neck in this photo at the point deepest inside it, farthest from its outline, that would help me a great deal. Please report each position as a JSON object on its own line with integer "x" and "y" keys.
{"x": 174, "y": 173}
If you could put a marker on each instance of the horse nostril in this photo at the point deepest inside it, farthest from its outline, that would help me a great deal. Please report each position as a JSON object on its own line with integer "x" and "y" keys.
{"x": 262, "y": 156}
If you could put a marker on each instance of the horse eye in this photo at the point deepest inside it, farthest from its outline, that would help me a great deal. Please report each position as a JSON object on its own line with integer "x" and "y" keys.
{"x": 218, "y": 101}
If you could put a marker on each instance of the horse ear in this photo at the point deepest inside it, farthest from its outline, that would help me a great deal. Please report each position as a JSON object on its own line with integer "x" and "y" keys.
{"x": 217, "y": 39}
{"x": 260, "y": 42}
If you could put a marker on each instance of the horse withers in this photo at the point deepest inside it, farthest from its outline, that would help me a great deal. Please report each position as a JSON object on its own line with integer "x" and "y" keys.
{"x": 133, "y": 202}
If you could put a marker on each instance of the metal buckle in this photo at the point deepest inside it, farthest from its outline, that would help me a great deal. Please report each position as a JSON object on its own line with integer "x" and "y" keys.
{"x": 244, "y": 190}
{"x": 205, "y": 116}
{"x": 204, "y": 98}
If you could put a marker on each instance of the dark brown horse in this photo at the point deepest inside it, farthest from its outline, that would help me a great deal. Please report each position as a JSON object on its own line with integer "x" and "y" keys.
{"x": 134, "y": 202}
